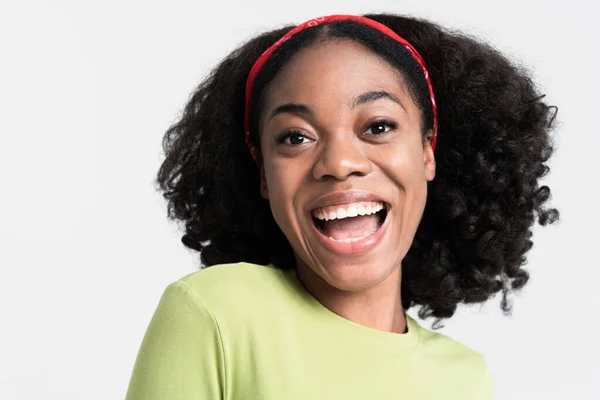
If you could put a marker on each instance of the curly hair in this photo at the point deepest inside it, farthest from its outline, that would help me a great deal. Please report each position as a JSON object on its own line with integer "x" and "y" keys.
{"x": 492, "y": 150}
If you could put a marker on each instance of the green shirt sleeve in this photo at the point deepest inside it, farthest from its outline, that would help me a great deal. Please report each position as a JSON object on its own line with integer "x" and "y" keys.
{"x": 488, "y": 385}
{"x": 181, "y": 356}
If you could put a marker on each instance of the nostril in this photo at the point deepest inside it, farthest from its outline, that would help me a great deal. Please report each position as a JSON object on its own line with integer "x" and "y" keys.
{"x": 339, "y": 161}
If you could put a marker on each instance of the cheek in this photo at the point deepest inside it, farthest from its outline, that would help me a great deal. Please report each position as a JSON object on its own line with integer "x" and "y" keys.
{"x": 405, "y": 168}
{"x": 403, "y": 163}
{"x": 284, "y": 182}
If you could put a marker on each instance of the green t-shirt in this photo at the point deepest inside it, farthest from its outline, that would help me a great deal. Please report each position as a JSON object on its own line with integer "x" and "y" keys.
{"x": 245, "y": 331}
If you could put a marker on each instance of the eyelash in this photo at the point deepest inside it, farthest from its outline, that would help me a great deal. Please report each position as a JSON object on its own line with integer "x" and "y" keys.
{"x": 288, "y": 134}
{"x": 387, "y": 122}
{"x": 384, "y": 121}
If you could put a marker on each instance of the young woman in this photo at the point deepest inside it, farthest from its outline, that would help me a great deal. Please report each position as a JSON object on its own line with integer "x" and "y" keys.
{"x": 332, "y": 176}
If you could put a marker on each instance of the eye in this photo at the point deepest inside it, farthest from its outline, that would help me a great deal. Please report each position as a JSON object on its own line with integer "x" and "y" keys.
{"x": 381, "y": 127}
{"x": 293, "y": 138}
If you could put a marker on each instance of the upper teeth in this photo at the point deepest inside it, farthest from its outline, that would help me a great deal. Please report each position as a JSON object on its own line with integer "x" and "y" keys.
{"x": 348, "y": 210}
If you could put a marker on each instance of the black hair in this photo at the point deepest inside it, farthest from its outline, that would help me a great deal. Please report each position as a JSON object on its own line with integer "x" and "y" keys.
{"x": 493, "y": 145}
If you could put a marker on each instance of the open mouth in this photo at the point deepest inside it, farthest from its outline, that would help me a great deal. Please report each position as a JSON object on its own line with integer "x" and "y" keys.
{"x": 351, "y": 222}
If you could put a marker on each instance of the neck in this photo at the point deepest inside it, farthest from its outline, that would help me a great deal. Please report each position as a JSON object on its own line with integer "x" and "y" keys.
{"x": 378, "y": 307}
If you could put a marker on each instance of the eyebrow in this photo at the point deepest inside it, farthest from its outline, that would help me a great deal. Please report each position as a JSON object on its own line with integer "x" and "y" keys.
{"x": 304, "y": 110}
{"x": 375, "y": 95}
{"x": 292, "y": 108}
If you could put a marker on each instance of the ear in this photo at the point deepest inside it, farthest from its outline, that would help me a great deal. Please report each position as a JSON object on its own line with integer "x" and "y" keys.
{"x": 429, "y": 157}
{"x": 264, "y": 189}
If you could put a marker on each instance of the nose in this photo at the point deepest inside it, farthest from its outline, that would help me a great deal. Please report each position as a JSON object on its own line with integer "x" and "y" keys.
{"x": 341, "y": 157}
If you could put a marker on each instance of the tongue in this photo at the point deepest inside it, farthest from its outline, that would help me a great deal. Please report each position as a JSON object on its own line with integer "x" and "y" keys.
{"x": 351, "y": 228}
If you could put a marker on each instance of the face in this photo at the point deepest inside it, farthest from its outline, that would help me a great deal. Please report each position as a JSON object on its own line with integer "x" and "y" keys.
{"x": 345, "y": 164}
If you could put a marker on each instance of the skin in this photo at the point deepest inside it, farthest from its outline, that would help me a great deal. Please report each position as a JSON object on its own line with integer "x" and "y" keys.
{"x": 340, "y": 149}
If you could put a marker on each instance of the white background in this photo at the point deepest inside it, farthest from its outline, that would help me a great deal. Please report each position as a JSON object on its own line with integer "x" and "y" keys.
{"x": 87, "y": 90}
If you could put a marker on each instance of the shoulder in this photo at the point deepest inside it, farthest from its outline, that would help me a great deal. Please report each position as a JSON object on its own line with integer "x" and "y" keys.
{"x": 234, "y": 290}
{"x": 457, "y": 364}
{"x": 229, "y": 272}
{"x": 447, "y": 351}
{"x": 231, "y": 280}
{"x": 445, "y": 346}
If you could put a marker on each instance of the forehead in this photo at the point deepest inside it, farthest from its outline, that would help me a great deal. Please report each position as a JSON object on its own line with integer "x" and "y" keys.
{"x": 333, "y": 69}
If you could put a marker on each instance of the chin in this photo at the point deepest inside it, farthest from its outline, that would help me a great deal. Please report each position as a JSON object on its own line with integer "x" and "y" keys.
{"x": 354, "y": 276}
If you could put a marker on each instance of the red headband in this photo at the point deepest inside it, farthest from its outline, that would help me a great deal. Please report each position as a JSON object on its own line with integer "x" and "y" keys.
{"x": 321, "y": 20}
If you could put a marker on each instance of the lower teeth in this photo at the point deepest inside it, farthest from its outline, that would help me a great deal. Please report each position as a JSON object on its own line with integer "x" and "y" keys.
{"x": 351, "y": 240}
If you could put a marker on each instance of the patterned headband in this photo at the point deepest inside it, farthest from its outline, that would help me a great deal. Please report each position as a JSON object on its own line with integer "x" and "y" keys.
{"x": 322, "y": 20}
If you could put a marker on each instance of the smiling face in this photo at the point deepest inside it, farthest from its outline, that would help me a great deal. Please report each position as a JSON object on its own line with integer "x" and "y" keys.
{"x": 345, "y": 165}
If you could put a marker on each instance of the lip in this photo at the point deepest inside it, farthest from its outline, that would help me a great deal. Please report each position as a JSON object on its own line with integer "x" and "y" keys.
{"x": 340, "y": 198}
{"x": 360, "y": 246}
{"x": 346, "y": 197}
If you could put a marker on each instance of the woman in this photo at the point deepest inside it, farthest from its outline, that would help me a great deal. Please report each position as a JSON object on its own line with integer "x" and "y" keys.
{"x": 332, "y": 176}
